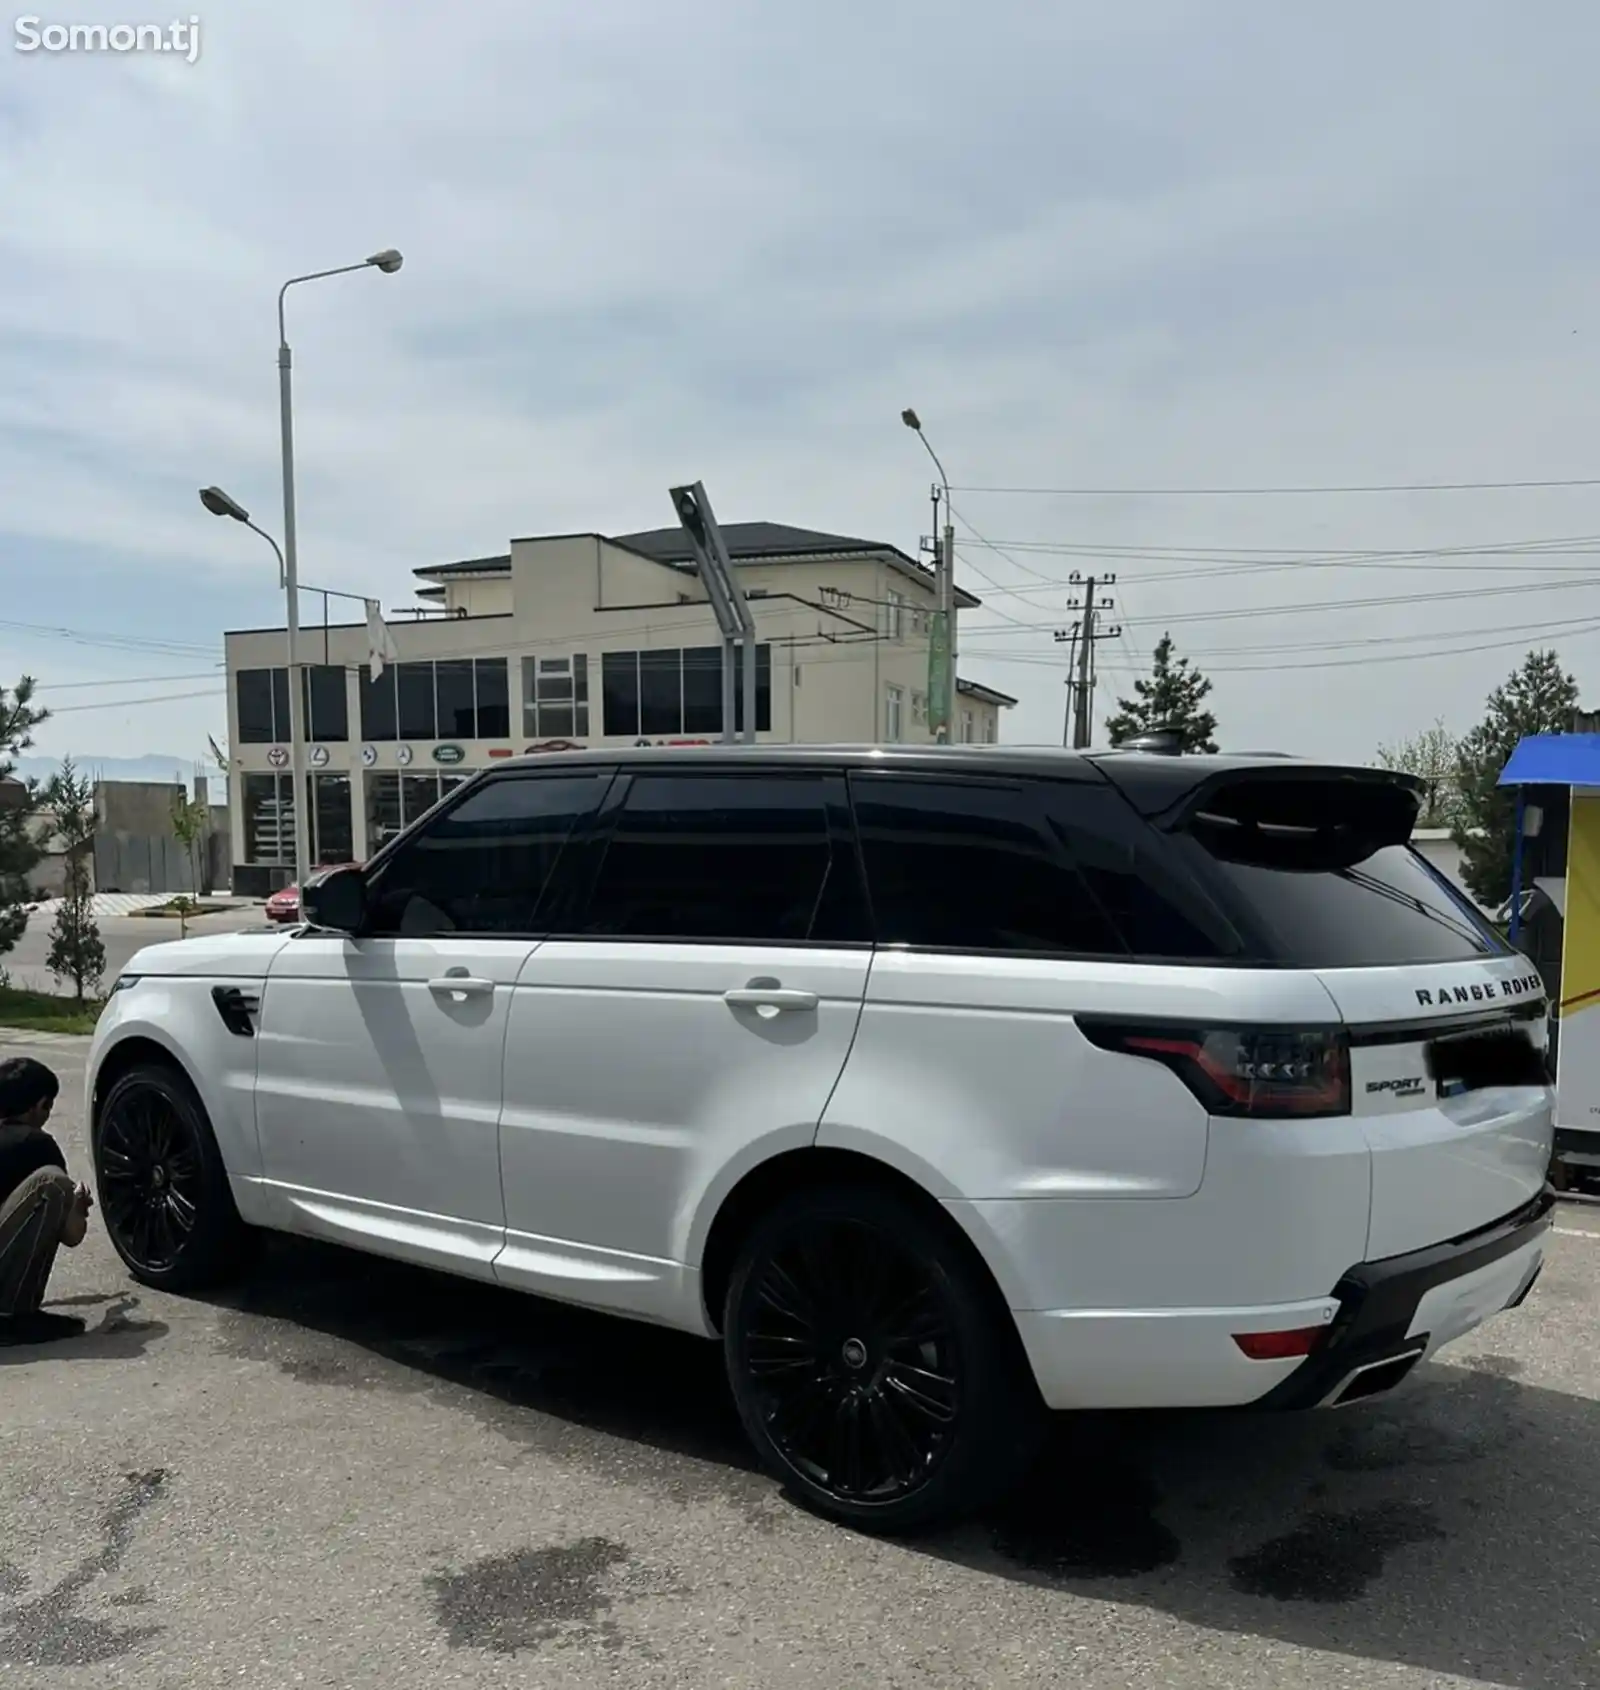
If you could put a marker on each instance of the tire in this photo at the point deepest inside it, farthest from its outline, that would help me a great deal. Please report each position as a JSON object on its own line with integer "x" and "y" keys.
{"x": 874, "y": 1366}
{"x": 163, "y": 1190}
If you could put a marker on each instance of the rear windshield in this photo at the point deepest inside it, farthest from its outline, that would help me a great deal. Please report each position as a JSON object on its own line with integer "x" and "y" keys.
{"x": 1388, "y": 909}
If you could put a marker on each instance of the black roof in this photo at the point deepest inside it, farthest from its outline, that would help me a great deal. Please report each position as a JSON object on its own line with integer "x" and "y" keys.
{"x": 746, "y": 540}
{"x": 469, "y": 566}
{"x": 1151, "y": 781}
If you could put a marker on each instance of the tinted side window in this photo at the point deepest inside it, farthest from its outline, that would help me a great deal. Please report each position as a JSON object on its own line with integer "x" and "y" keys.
{"x": 971, "y": 865}
{"x": 1156, "y": 907}
{"x": 481, "y": 867}
{"x": 1383, "y": 912}
{"x": 729, "y": 857}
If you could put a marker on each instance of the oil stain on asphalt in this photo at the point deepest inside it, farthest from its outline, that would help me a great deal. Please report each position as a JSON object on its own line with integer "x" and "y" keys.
{"x": 50, "y": 1630}
{"x": 529, "y": 1597}
{"x": 1332, "y": 1557}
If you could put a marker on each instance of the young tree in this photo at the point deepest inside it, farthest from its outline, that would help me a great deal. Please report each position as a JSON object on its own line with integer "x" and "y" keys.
{"x": 1433, "y": 756}
{"x": 76, "y": 951}
{"x": 1539, "y": 698}
{"x": 191, "y": 827}
{"x": 19, "y": 800}
{"x": 1170, "y": 698}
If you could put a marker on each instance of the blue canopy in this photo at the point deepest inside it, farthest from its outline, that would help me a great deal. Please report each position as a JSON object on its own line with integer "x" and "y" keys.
{"x": 1554, "y": 760}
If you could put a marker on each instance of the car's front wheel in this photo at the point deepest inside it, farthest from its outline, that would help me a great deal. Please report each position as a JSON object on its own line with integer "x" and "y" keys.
{"x": 163, "y": 1188}
{"x": 874, "y": 1366}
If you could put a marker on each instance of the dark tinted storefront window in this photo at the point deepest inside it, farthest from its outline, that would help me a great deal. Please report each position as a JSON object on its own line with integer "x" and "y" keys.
{"x": 418, "y": 719}
{"x": 458, "y": 715}
{"x": 253, "y": 691}
{"x": 494, "y": 698}
{"x": 379, "y": 717}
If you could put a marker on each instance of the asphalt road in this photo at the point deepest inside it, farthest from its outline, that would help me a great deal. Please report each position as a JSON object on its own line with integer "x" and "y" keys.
{"x": 122, "y": 935}
{"x": 351, "y": 1474}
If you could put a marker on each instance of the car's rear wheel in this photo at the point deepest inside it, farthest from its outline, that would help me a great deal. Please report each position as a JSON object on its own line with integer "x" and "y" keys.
{"x": 874, "y": 1366}
{"x": 163, "y": 1188}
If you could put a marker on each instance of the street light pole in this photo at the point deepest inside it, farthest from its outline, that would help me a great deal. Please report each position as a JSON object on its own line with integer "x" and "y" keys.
{"x": 942, "y": 650}
{"x": 388, "y": 261}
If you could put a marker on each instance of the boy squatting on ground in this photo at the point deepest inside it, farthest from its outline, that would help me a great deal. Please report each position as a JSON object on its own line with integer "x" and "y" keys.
{"x": 40, "y": 1207}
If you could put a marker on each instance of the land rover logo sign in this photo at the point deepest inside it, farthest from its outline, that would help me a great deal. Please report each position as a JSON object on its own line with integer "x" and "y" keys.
{"x": 448, "y": 754}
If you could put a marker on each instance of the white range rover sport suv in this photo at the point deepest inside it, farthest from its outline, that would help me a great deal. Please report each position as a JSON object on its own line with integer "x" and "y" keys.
{"x": 942, "y": 1087}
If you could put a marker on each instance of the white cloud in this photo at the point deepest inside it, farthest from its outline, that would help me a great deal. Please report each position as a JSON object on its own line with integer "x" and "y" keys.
{"x": 1095, "y": 246}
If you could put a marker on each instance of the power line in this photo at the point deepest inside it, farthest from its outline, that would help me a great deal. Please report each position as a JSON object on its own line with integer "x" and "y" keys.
{"x": 130, "y": 703}
{"x": 1316, "y": 607}
{"x": 1276, "y": 647}
{"x": 125, "y": 681}
{"x": 1273, "y": 492}
{"x": 114, "y": 642}
{"x": 1324, "y": 663}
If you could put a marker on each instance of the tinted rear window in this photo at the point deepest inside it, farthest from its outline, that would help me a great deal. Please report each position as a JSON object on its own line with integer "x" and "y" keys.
{"x": 1385, "y": 911}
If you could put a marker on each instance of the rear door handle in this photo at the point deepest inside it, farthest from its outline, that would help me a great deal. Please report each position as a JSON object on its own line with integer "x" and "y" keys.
{"x": 461, "y": 985}
{"x": 770, "y": 997}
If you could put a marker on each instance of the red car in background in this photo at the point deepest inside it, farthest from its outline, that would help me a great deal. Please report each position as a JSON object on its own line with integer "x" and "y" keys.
{"x": 283, "y": 906}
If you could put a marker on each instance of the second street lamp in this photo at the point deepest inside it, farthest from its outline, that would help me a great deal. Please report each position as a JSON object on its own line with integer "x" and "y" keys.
{"x": 387, "y": 262}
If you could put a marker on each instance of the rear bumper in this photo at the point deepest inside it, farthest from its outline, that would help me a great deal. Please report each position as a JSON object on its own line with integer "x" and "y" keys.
{"x": 1401, "y": 1310}
{"x": 1382, "y": 1318}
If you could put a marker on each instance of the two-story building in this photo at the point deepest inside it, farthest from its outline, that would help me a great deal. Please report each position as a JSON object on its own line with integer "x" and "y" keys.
{"x": 576, "y": 640}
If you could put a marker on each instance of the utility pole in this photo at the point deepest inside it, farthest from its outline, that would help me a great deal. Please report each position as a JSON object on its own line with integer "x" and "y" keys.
{"x": 1080, "y": 639}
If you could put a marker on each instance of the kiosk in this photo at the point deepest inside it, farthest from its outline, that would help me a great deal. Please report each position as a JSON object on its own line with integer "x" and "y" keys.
{"x": 1557, "y": 854}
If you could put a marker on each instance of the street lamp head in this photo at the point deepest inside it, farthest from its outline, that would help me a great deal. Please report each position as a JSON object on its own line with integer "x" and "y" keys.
{"x": 911, "y": 419}
{"x": 388, "y": 261}
{"x": 220, "y": 504}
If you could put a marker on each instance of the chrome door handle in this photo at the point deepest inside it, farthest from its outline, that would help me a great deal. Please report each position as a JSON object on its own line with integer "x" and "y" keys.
{"x": 770, "y": 997}
{"x": 461, "y": 985}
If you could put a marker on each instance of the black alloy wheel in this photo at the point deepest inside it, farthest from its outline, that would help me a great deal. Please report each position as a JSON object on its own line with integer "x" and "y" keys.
{"x": 854, "y": 1352}
{"x": 871, "y": 1365}
{"x": 163, "y": 1189}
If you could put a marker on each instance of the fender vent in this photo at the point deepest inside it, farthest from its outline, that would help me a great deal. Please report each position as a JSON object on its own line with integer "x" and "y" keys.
{"x": 236, "y": 1007}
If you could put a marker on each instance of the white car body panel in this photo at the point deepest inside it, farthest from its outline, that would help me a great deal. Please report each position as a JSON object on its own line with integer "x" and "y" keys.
{"x": 1441, "y": 1167}
{"x": 632, "y": 1088}
{"x": 171, "y": 1005}
{"x": 378, "y": 1092}
{"x": 973, "y": 1067}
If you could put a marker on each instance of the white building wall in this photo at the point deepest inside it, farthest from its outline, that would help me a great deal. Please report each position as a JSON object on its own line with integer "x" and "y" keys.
{"x": 842, "y": 633}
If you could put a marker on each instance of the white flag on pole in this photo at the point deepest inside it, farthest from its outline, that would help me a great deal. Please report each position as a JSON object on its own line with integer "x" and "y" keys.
{"x": 380, "y": 642}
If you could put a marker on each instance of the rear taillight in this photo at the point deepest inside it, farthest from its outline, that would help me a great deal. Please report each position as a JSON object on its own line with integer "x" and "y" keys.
{"x": 1264, "y": 1073}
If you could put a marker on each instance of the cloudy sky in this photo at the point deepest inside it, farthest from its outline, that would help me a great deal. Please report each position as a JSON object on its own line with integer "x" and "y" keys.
{"x": 1149, "y": 246}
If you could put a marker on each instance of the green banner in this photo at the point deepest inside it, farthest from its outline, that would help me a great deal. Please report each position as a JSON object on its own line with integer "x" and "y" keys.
{"x": 940, "y": 685}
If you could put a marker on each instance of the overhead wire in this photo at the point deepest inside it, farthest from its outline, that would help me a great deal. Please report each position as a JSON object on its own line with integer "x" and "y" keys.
{"x": 1277, "y": 492}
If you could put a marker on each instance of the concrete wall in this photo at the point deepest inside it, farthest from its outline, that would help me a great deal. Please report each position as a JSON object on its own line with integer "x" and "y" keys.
{"x": 134, "y": 848}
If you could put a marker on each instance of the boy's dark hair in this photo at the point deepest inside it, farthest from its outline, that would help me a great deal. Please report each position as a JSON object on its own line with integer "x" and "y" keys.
{"x": 24, "y": 1084}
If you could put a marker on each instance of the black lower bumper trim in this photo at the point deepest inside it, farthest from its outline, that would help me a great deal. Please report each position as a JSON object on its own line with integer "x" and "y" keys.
{"x": 1378, "y": 1301}
{"x": 1577, "y": 1139}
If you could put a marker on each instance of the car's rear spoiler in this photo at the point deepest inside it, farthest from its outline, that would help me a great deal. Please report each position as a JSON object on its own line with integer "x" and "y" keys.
{"x": 1294, "y": 815}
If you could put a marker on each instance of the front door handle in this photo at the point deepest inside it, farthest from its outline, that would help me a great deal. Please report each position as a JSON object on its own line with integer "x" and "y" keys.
{"x": 770, "y": 997}
{"x": 461, "y": 985}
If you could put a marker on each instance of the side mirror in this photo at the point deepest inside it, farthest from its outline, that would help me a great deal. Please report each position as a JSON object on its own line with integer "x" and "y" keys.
{"x": 335, "y": 899}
